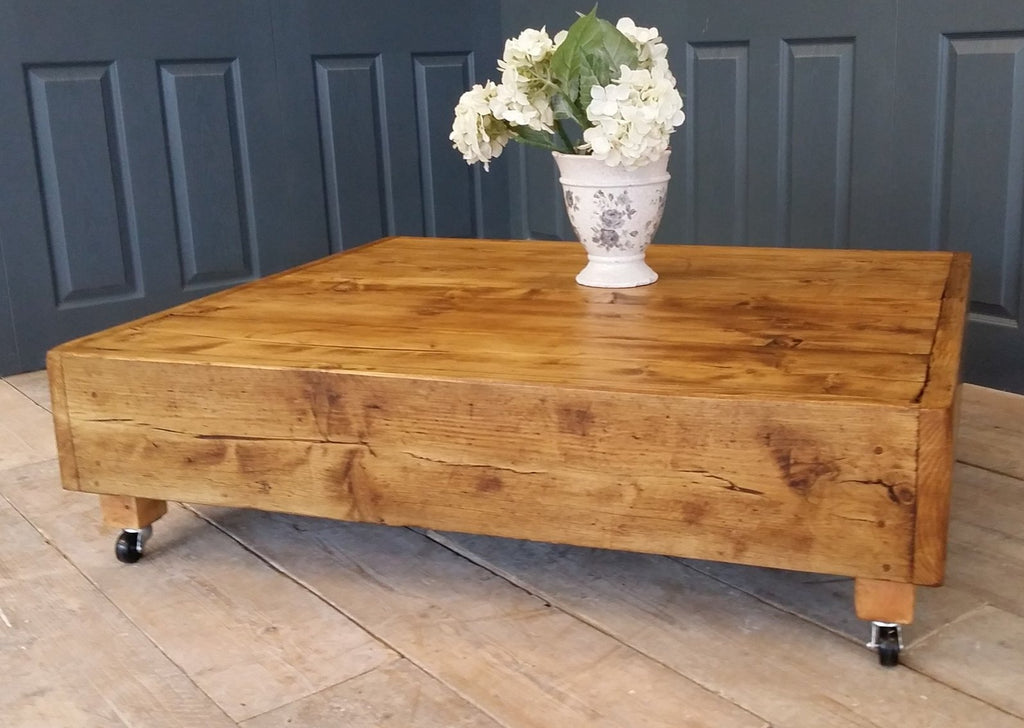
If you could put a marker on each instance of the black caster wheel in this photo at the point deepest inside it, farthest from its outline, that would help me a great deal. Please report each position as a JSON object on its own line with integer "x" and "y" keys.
{"x": 888, "y": 653}
{"x": 130, "y": 544}
{"x": 887, "y": 640}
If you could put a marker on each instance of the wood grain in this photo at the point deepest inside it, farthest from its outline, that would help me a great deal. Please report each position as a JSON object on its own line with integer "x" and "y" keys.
{"x": 758, "y": 406}
{"x": 34, "y": 385}
{"x": 992, "y": 430}
{"x": 937, "y": 427}
{"x": 753, "y": 482}
{"x": 944, "y": 365}
{"x": 766, "y": 653}
{"x": 934, "y": 481}
{"x": 68, "y": 656}
{"x": 884, "y": 601}
{"x": 124, "y": 511}
{"x": 504, "y": 650}
{"x": 982, "y": 654}
{"x": 396, "y": 695}
{"x": 783, "y": 668}
{"x": 246, "y": 635}
{"x": 26, "y": 435}
{"x": 987, "y": 564}
{"x": 433, "y": 308}
{"x": 61, "y": 421}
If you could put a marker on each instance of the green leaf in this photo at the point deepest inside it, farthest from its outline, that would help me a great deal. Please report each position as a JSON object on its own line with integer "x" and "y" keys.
{"x": 566, "y": 58}
{"x": 565, "y": 110}
{"x": 591, "y": 54}
{"x": 534, "y": 138}
{"x": 591, "y": 74}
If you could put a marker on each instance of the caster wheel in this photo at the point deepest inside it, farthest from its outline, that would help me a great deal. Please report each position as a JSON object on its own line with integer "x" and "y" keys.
{"x": 887, "y": 640}
{"x": 888, "y": 653}
{"x": 129, "y": 546}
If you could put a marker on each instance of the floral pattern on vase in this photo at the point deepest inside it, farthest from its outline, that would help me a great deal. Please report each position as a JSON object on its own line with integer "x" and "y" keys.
{"x": 615, "y": 213}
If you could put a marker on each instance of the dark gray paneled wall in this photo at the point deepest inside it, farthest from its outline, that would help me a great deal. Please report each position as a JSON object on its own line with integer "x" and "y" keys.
{"x": 9, "y": 358}
{"x": 139, "y": 158}
{"x": 959, "y": 177}
{"x": 154, "y": 152}
{"x": 789, "y": 120}
{"x": 876, "y": 124}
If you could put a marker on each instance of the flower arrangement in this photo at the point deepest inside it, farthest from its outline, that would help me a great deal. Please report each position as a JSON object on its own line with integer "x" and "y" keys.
{"x": 609, "y": 83}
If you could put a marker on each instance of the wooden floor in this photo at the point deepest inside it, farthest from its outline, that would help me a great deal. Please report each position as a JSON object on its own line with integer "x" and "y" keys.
{"x": 259, "y": 620}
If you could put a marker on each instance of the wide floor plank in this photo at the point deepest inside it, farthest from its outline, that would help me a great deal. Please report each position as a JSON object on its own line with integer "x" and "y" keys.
{"x": 828, "y": 600}
{"x": 992, "y": 430}
{"x": 988, "y": 500}
{"x": 987, "y": 564}
{"x": 769, "y": 662}
{"x": 26, "y": 430}
{"x": 71, "y": 659}
{"x": 33, "y": 385}
{"x": 250, "y": 637}
{"x": 397, "y": 695}
{"x": 509, "y": 653}
{"x": 982, "y": 654}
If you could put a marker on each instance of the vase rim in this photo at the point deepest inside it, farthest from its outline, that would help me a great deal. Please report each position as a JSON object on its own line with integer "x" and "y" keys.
{"x": 557, "y": 153}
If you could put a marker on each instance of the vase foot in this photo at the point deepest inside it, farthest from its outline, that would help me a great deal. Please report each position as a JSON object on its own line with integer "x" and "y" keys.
{"x": 616, "y": 273}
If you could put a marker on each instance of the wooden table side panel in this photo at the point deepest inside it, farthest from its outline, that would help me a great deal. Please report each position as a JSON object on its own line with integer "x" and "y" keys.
{"x": 935, "y": 482}
{"x": 62, "y": 421}
{"x": 772, "y": 372}
{"x": 937, "y": 426}
{"x": 821, "y": 487}
{"x": 946, "y": 355}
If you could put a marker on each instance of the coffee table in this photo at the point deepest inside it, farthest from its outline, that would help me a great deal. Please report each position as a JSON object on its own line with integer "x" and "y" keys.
{"x": 778, "y": 407}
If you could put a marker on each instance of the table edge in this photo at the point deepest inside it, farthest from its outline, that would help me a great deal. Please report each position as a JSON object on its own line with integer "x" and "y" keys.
{"x": 944, "y": 362}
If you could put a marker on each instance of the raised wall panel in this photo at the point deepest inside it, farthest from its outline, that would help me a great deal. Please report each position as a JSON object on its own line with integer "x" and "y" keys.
{"x": 980, "y": 187}
{"x": 75, "y": 116}
{"x": 817, "y": 110}
{"x": 452, "y": 204}
{"x": 716, "y": 141}
{"x": 210, "y": 174}
{"x": 354, "y": 149}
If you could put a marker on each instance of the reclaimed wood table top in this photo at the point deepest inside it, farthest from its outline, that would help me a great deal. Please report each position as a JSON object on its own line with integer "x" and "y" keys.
{"x": 870, "y": 326}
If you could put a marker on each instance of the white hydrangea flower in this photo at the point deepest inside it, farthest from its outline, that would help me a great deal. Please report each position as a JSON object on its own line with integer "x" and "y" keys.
{"x": 528, "y": 49}
{"x": 630, "y": 120}
{"x": 524, "y": 96}
{"x": 520, "y": 104}
{"x": 476, "y": 133}
{"x": 633, "y": 117}
{"x": 635, "y": 33}
{"x": 651, "y": 52}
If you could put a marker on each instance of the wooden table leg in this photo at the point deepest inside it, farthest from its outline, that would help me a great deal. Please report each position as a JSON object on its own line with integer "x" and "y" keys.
{"x": 124, "y": 511}
{"x": 884, "y": 601}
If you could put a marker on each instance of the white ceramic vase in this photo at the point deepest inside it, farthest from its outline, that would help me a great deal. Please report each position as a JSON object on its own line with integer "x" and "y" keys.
{"x": 615, "y": 212}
